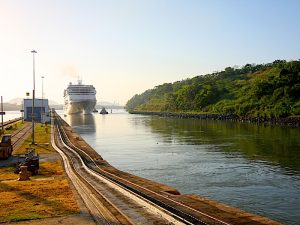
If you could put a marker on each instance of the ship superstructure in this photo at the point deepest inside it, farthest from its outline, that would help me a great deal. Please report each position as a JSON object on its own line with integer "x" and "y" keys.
{"x": 79, "y": 98}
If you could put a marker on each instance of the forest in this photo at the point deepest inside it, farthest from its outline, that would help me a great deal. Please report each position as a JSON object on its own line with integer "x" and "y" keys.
{"x": 269, "y": 90}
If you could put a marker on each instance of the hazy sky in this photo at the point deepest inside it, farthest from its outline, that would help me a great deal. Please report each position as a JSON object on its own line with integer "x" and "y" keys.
{"x": 125, "y": 47}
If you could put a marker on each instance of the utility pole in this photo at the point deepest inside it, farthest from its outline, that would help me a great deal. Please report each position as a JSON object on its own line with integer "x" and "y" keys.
{"x": 2, "y": 114}
{"x": 42, "y": 110}
{"x": 33, "y": 96}
{"x": 22, "y": 112}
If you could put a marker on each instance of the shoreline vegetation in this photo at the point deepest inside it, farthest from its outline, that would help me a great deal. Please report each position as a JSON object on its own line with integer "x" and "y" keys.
{"x": 293, "y": 121}
{"x": 258, "y": 93}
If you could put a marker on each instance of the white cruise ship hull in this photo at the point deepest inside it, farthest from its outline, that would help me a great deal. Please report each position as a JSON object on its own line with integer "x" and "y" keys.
{"x": 79, "y": 98}
{"x": 76, "y": 107}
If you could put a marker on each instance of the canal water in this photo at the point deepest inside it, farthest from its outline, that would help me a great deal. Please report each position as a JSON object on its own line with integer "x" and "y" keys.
{"x": 252, "y": 167}
{"x": 9, "y": 115}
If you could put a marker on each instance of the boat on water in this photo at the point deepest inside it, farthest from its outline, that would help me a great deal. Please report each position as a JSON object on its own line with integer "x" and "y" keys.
{"x": 103, "y": 111}
{"x": 79, "y": 98}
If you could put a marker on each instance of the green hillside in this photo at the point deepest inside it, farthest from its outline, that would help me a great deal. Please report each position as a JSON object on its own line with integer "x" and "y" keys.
{"x": 267, "y": 90}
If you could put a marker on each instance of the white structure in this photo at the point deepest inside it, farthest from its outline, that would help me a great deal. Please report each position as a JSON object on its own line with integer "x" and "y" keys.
{"x": 79, "y": 98}
{"x": 41, "y": 110}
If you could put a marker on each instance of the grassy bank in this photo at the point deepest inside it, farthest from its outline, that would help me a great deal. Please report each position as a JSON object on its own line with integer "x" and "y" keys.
{"x": 293, "y": 121}
{"x": 42, "y": 140}
{"x": 46, "y": 195}
{"x": 12, "y": 128}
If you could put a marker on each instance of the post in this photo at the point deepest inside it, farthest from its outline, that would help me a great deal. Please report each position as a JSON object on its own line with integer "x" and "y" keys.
{"x": 42, "y": 111}
{"x": 23, "y": 112}
{"x": 2, "y": 114}
{"x": 33, "y": 96}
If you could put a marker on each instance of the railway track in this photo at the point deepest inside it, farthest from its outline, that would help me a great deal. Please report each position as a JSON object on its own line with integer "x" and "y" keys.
{"x": 20, "y": 135}
{"x": 127, "y": 202}
{"x": 17, "y": 138}
{"x": 6, "y": 123}
{"x": 104, "y": 200}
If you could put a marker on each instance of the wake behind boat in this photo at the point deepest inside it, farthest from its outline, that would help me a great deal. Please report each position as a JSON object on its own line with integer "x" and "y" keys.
{"x": 79, "y": 98}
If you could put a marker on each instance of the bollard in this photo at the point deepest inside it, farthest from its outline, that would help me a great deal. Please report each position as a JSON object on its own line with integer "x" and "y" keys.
{"x": 24, "y": 174}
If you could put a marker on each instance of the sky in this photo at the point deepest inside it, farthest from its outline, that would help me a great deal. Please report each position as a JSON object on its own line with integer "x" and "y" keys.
{"x": 124, "y": 47}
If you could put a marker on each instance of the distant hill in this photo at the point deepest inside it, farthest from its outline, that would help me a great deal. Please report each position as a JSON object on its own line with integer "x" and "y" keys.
{"x": 109, "y": 105}
{"x": 19, "y": 101}
{"x": 105, "y": 103}
{"x": 16, "y": 104}
{"x": 265, "y": 90}
{"x": 11, "y": 107}
{"x": 16, "y": 101}
{"x": 57, "y": 107}
{"x": 51, "y": 102}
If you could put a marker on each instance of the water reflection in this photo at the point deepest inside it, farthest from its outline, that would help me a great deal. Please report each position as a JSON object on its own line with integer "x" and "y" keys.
{"x": 248, "y": 166}
{"x": 82, "y": 123}
{"x": 277, "y": 145}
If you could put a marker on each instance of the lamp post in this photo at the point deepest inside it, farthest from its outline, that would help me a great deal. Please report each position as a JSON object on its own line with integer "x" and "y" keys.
{"x": 33, "y": 96}
{"x": 2, "y": 128}
{"x": 42, "y": 110}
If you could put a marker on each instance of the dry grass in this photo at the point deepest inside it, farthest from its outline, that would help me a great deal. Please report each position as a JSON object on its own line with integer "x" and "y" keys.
{"x": 48, "y": 169}
{"x": 14, "y": 127}
{"x": 45, "y": 195}
{"x": 42, "y": 139}
{"x": 7, "y": 173}
{"x": 35, "y": 199}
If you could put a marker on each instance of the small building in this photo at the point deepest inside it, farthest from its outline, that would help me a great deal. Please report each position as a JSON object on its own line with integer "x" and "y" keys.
{"x": 41, "y": 110}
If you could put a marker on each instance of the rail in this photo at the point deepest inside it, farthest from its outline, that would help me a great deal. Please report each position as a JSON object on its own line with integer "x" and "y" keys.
{"x": 19, "y": 135}
{"x": 83, "y": 184}
{"x": 6, "y": 123}
{"x": 159, "y": 200}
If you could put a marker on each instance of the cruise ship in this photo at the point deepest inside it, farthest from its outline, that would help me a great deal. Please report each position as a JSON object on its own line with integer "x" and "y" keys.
{"x": 79, "y": 98}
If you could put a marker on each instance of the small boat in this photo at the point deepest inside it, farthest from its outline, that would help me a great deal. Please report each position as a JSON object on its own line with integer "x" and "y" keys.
{"x": 103, "y": 111}
{"x": 95, "y": 110}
